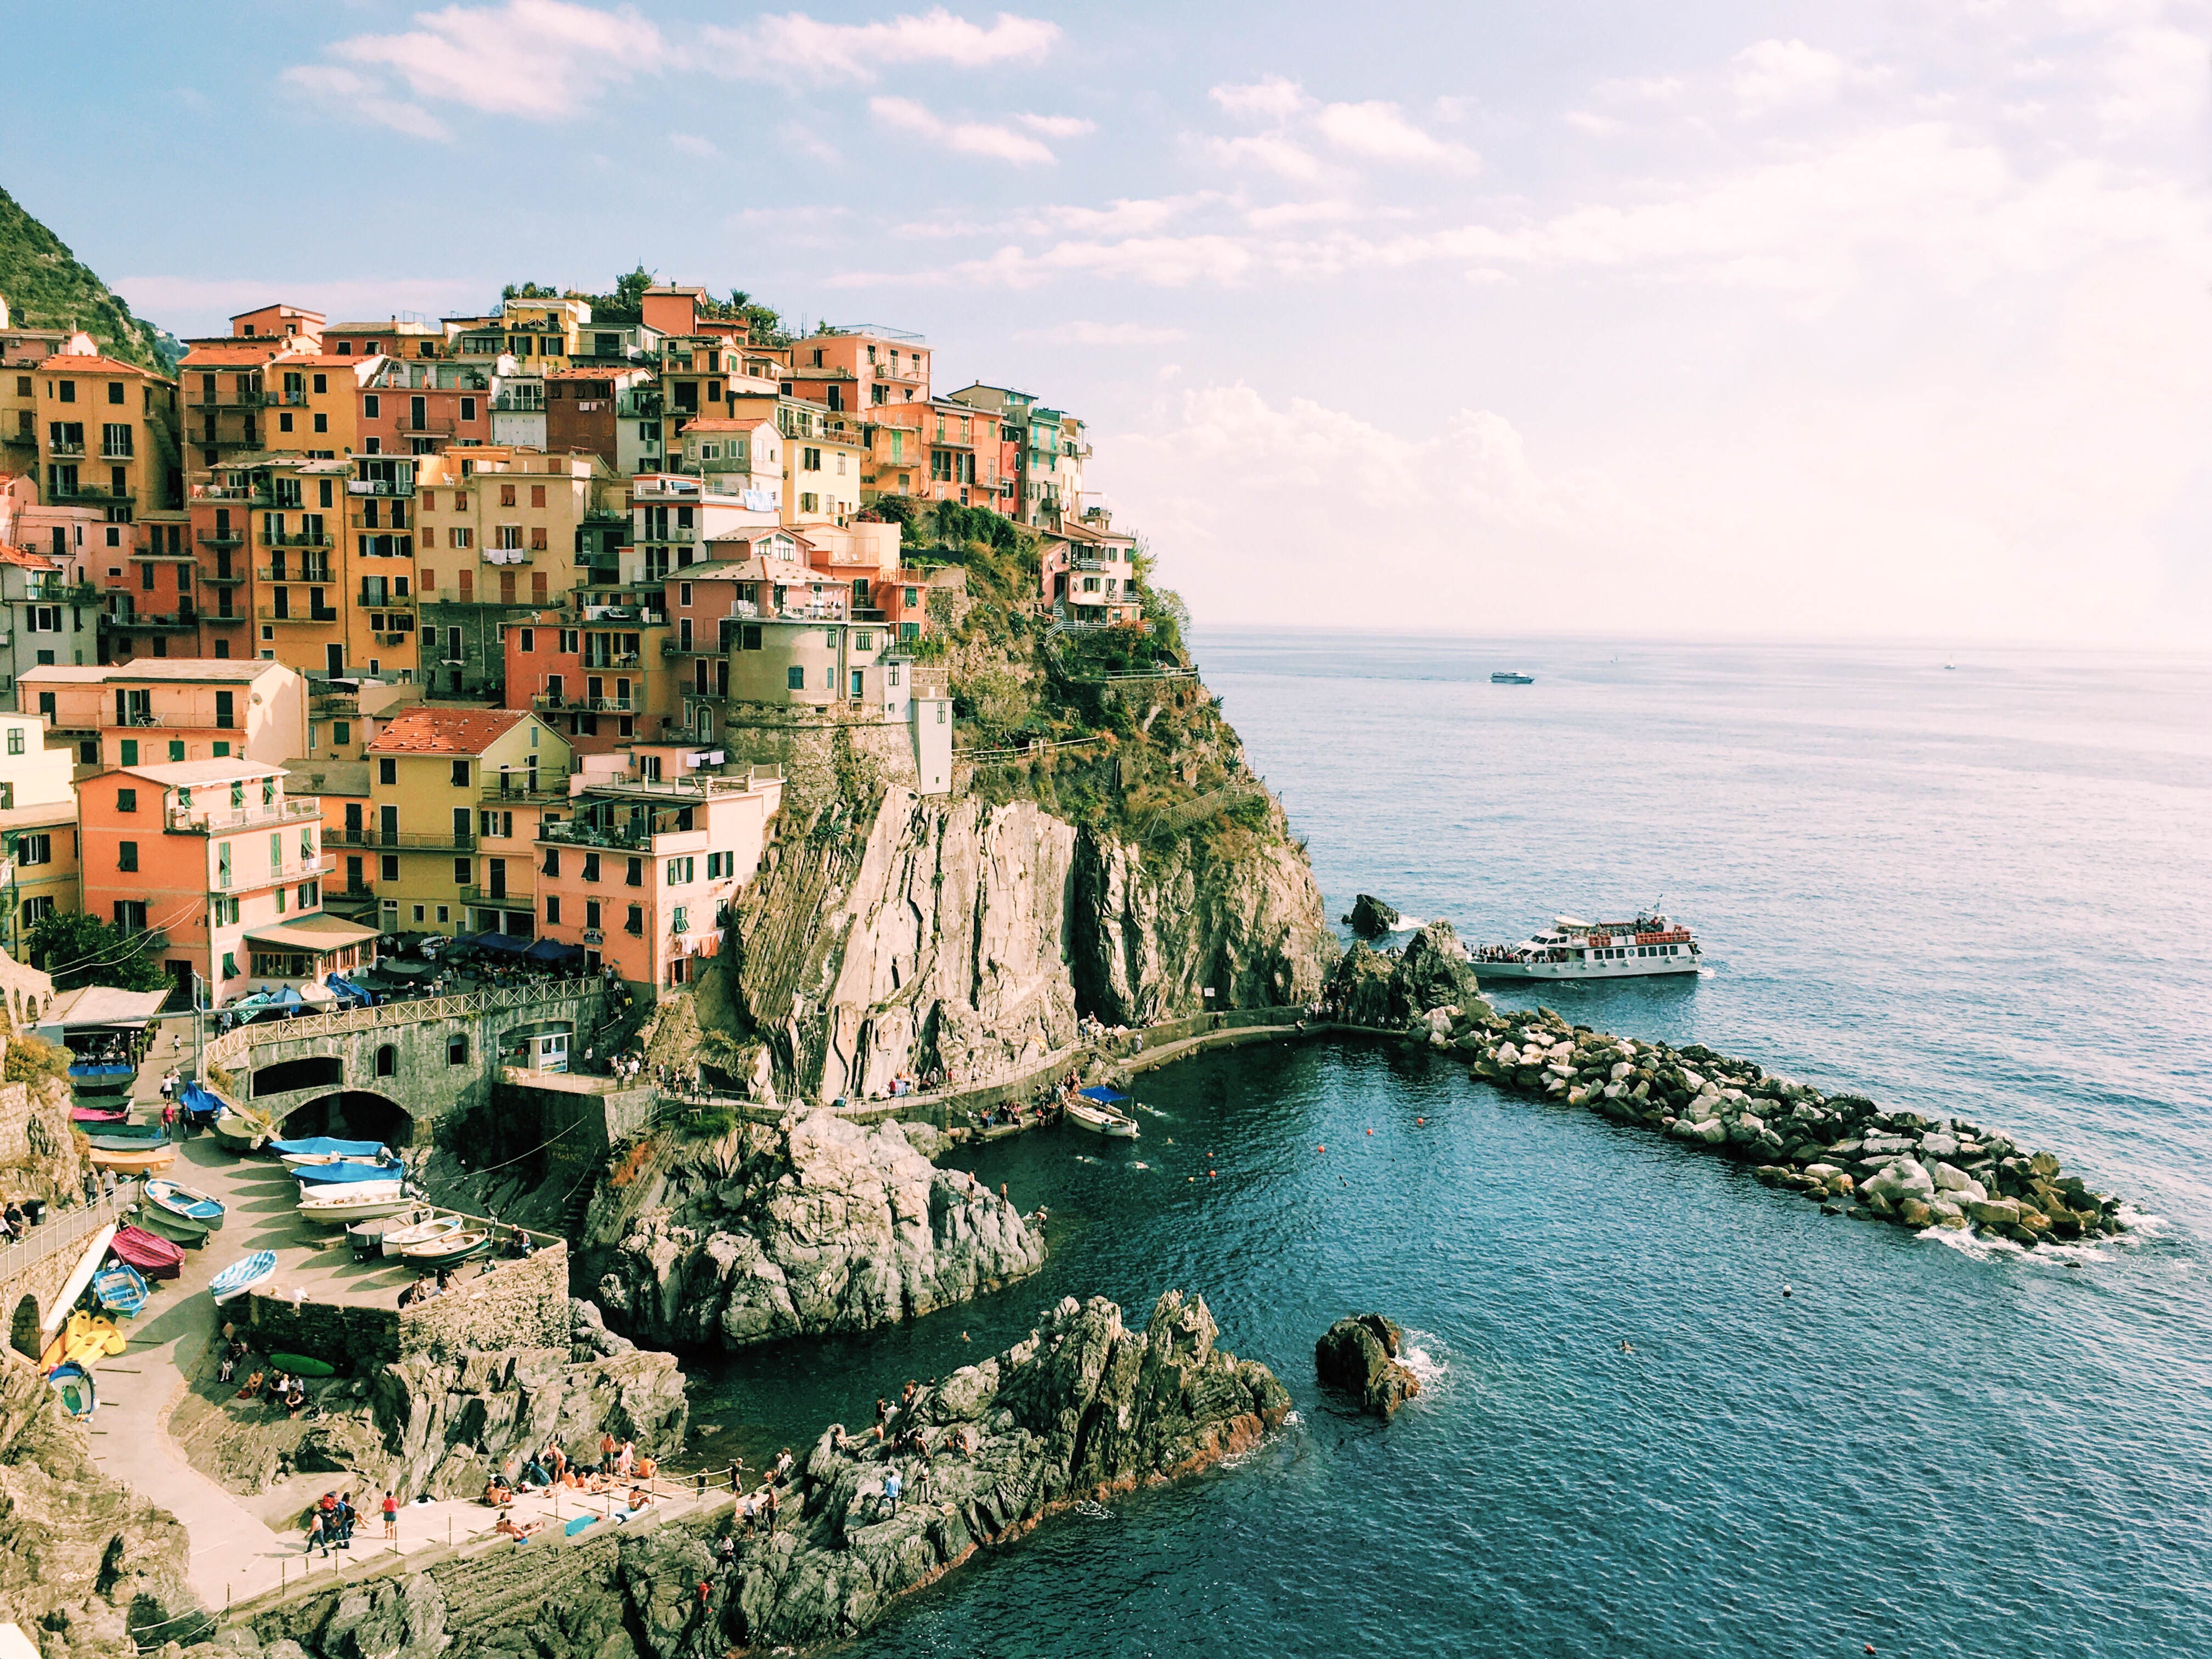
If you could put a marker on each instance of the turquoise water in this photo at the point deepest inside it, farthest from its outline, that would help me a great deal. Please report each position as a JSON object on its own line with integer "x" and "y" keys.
{"x": 1984, "y": 891}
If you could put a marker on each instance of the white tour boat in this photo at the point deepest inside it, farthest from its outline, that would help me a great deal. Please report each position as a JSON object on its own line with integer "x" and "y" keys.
{"x": 1595, "y": 950}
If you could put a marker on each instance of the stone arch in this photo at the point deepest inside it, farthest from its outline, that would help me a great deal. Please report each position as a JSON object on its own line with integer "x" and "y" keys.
{"x": 352, "y": 1114}
{"x": 23, "y": 1327}
{"x": 306, "y": 1072}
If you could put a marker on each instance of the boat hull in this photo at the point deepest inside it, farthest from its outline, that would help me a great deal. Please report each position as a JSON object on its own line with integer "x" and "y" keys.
{"x": 344, "y": 1215}
{"x": 178, "y": 1229}
{"x": 1630, "y": 968}
{"x": 249, "y": 1272}
{"x": 398, "y": 1241}
{"x": 134, "y": 1163}
{"x": 240, "y": 1135}
{"x": 1097, "y": 1121}
{"x": 73, "y": 1388}
{"x": 185, "y": 1204}
{"x": 437, "y": 1252}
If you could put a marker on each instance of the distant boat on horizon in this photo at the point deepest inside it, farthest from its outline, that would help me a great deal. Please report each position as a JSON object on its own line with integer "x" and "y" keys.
{"x": 1511, "y": 677}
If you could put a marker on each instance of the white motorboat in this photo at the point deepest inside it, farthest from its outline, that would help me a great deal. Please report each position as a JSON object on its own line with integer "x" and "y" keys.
{"x": 1511, "y": 677}
{"x": 1093, "y": 1110}
{"x": 397, "y": 1240}
{"x": 1650, "y": 945}
{"x": 342, "y": 1209}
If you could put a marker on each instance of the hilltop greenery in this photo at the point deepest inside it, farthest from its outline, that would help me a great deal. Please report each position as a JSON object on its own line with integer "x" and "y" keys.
{"x": 623, "y": 305}
{"x": 47, "y": 288}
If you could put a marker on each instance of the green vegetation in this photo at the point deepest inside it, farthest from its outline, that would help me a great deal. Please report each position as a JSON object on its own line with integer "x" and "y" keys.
{"x": 47, "y": 288}
{"x": 30, "y": 1058}
{"x": 78, "y": 949}
{"x": 624, "y": 306}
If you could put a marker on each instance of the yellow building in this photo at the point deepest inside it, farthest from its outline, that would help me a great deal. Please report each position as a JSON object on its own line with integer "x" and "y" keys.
{"x": 107, "y": 436}
{"x": 316, "y": 404}
{"x": 823, "y": 452}
{"x": 458, "y": 795}
{"x": 38, "y": 829}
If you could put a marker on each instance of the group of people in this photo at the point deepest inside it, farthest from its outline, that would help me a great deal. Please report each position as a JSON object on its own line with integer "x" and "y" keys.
{"x": 622, "y": 1468}
{"x": 332, "y": 1524}
{"x": 13, "y": 1221}
{"x": 427, "y": 1287}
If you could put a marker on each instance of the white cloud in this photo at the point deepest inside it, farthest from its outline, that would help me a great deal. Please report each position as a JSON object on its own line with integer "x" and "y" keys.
{"x": 1103, "y": 334}
{"x": 1058, "y": 126}
{"x": 1376, "y": 131}
{"x": 2154, "y": 79}
{"x": 963, "y": 137}
{"x": 1598, "y": 126}
{"x": 1269, "y": 154}
{"x": 340, "y": 91}
{"x": 1302, "y": 213}
{"x": 541, "y": 59}
{"x": 1777, "y": 75}
{"x": 795, "y": 47}
{"x": 1272, "y": 98}
{"x": 803, "y": 140}
{"x": 691, "y": 143}
{"x": 1152, "y": 261}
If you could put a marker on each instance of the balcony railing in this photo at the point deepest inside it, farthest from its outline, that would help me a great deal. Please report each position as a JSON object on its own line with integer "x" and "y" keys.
{"x": 223, "y": 578}
{"x": 300, "y": 538}
{"x": 79, "y": 593}
{"x": 400, "y": 841}
{"x": 378, "y": 487}
{"x": 126, "y": 454}
{"x": 143, "y": 622}
{"x": 572, "y": 832}
{"x": 222, "y": 820}
{"x": 223, "y": 537}
{"x": 560, "y": 702}
{"x": 259, "y": 494}
{"x": 66, "y": 449}
{"x": 518, "y": 787}
{"x": 387, "y": 602}
{"x": 485, "y": 898}
{"x": 223, "y": 618}
{"x": 93, "y": 496}
{"x": 232, "y": 881}
{"x": 268, "y": 613}
{"x": 276, "y": 573}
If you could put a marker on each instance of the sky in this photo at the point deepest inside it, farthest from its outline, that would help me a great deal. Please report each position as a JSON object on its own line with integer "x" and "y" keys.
{"x": 1702, "y": 320}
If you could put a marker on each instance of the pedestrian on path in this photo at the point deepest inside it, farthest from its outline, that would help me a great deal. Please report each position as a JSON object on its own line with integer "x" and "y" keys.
{"x": 392, "y": 1517}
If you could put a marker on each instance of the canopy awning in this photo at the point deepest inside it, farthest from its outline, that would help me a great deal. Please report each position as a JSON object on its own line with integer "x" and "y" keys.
{"x": 315, "y": 935}
{"x": 551, "y": 950}
{"x": 505, "y": 944}
{"x": 102, "y": 1004}
{"x": 1103, "y": 1095}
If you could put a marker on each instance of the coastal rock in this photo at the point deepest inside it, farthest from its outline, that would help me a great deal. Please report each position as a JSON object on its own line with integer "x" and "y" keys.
{"x": 1900, "y": 1181}
{"x": 1361, "y": 1354}
{"x": 1369, "y": 918}
{"x": 83, "y": 1559}
{"x": 1432, "y": 972}
{"x": 818, "y": 1227}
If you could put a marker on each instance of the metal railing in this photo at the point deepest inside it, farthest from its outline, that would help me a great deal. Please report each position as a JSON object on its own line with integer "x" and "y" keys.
{"x": 622, "y": 837}
{"x": 401, "y": 840}
{"x": 63, "y": 1230}
{"x": 231, "y": 881}
{"x": 248, "y": 817}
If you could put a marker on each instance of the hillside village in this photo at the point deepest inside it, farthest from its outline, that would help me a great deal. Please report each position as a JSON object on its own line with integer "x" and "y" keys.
{"x": 509, "y": 629}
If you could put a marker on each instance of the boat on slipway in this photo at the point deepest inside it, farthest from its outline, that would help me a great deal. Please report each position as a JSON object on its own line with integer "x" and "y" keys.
{"x": 1650, "y": 945}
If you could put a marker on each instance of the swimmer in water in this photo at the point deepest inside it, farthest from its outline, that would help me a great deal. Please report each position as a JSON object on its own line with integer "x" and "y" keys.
{"x": 1624, "y": 1348}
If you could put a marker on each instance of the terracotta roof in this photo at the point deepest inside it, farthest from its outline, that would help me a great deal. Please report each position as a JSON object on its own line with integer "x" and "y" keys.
{"x": 725, "y": 425}
{"x": 431, "y": 731}
{"x": 96, "y": 365}
{"x": 24, "y": 557}
{"x": 234, "y": 351}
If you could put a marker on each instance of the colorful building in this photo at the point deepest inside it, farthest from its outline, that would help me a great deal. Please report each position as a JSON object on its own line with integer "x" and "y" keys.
{"x": 419, "y": 407}
{"x": 862, "y": 367}
{"x": 46, "y": 617}
{"x": 181, "y": 709}
{"x": 1088, "y": 572}
{"x": 107, "y": 436}
{"x": 38, "y": 829}
{"x": 1050, "y": 446}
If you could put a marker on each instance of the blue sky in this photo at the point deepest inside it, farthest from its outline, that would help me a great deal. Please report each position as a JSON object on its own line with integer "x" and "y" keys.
{"x": 1696, "y": 321}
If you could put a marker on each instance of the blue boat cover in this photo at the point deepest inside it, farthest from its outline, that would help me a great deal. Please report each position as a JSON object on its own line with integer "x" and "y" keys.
{"x": 324, "y": 1147}
{"x": 1103, "y": 1095}
{"x": 198, "y": 1102}
{"x": 83, "y": 1072}
{"x": 337, "y": 1174}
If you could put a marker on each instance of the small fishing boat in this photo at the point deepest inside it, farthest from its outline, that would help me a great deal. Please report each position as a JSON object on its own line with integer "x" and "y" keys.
{"x": 182, "y": 1230}
{"x": 126, "y": 1130}
{"x": 454, "y": 1247}
{"x": 103, "y": 1141}
{"x": 350, "y": 1174}
{"x": 1093, "y": 1110}
{"x": 396, "y": 1240}
{"x": 100, "y": 1080}
{"x": 322, "y": 1149}
{"x": 88, "y": 1337}
{"x": 242, "y": 1275}
{"x": 341, "y": 1207}
{"x": 184, "y": 1202}
{"x": 302, "y": 1364}
{"x": 1511, "y": 677}
{"x": 73, "y": 1390}
{"x": 198, "y": 1104}
{"x": 156, "y": 1258}
{"x": 242, "y": 1132}
{"x": 159, "y": 1155}
{"x": 121, "y": 1288}
{"x": 99, "y": 1113}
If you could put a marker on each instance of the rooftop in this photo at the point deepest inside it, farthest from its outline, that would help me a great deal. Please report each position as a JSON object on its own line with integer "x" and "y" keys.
{"x": 434, "y": 731}
{"x": 178, "y": 671}
{"x": 321, "y": 777}
{"x": 24, "y": 557}
{"x": 191, "y": 775}
{"x": 96, "y": 365}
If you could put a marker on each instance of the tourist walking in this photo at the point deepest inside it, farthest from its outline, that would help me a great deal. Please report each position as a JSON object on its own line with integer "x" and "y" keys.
{"x": 391, "y": 1507}
{"x": 891, "y": 1485}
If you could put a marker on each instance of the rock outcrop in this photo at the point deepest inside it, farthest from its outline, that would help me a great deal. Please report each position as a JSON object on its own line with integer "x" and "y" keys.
{"x": 1369, "y": 917}
{"x": 87, "y": 1567}
{"x": 1360, "y": 1354}
{"x": 1433, "y": 974}
{"x": 38, "y": 1153}
{"x": 1883, "y": 1162}
{"x": 1082, "y": 1409}
{"x": 815, "y": 1227}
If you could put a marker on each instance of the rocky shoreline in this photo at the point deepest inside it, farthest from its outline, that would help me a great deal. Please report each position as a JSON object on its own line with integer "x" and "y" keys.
{"x": 1854, "y": 1156}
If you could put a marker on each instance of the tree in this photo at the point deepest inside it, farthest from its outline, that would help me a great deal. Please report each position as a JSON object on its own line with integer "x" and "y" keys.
{"x": 78, "y": 949}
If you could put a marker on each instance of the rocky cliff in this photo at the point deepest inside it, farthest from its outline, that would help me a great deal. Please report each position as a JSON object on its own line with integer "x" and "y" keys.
{"x": 812, "y": 1227}
{"x": 86, "y": 1567}
{"x": 1082, "y": 1409}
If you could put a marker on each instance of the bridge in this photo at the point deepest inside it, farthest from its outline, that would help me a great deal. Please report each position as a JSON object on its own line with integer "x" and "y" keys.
{"x": 386, "y": 1073}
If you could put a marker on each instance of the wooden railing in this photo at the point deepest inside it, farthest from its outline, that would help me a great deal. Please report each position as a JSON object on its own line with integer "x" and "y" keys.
{"x": 387, "y": 1015}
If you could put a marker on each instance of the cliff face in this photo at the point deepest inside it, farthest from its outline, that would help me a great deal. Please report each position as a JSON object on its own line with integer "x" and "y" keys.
{"x": 83, "y": 1561}
{"x": 1084, "y": 1408}
{"x": 971, "y": 936}
{"x": 819, "y": 1227}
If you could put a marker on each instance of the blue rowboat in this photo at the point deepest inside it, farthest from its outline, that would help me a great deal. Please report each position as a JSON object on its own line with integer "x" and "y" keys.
{"x": 339, "y": 1175}
{"x": 72, "y": 1387}
{"x": 121, "y": 1288}
{"x": 185, "y": 1204}
{"x": 322, "y": 1146}
{"x": 100, "y": 1080}
{"x": 243, "y": 1275}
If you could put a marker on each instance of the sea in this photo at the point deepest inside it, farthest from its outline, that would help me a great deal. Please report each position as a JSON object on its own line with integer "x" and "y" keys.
{"x": 1664, "y": 1410}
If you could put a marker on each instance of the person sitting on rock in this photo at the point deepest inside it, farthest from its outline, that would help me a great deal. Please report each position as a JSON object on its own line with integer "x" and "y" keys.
{"x": 639, "y": 1497}
{"x": 497, "y": 1494}
{"x": 252, "y": 1387}
{"x": 646, "y": 1468}
{"x": 506, "y": 1528}
{"x": 294, "y": 1398}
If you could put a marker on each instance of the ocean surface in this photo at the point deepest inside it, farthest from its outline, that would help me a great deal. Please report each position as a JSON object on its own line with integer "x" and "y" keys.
{"x": 1984, "y": 891}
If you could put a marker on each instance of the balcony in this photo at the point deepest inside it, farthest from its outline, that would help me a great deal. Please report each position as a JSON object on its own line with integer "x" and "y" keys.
{"x": 554, "y": 703}
{"x": 427, "y": 428}
{"x": 118, "y": 457}
{"x": 387, "y": 602}
{"x": 254, "y": 494}
{"x": 145, "y": 622}
{"x": 232, "y": 881}
{"x": 622, "y": 837}
{"x": 66, "y": 450}
{"x": 89, "y": 496}
{"x": 300, "y": 538}
{"x": 222, "y": 578}
{"x": 696, "y": 648}
{"x": 270, "y": 817}
{"x": 268, "y": 613}
{"x": 316, "y": 571}
{"x": 400, "y": 841}
{"x": 521, "y": 788}
{"x": 223, "y": 537}
{"x": 178, "y": 557}
{"x": 509, "y": 555}
{"x": 485, "y": 898}
{"x": 78, "y": 593}
{"x": 223, "y": 618}
{"x": 378, "y": 487}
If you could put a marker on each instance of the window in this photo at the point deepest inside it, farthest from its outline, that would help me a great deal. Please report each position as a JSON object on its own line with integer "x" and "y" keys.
{"x": 468, "y": 409}
{"x": 462, "y": 873}
{"x": 591, "y": 866}
{"x": 457, "y": 1051}
{"x": 388, "y": 870}
{"x": 115, "y": 391}
{"x": 679, "y": 872}
{"x": 322, "y": 383}
{"x": 794, "y": 679}
{"x": 341, "y": 732}
{"x": 176, "y": 749}
{"x": 370, "y": 407}
{"x": 461, "y": 536}
{"x": 636, "y": 923}
{"x": 552, "y": 907}
{"x": 506, "y": 495}
{"x": 129, "y": 748}
{"x": 529, "y": 643}
{"x": 635, "y": 875}
{"x": 538, "y": 494}
{"x": 126, "y": 855}
{"x": 720, "y": 865}
{"x": 507, "y": 537}
{"x": 14, "y": 739}
{"x": 387, "y": 771}
{"x": 130, "y": 916}
{"x": 387, "y": 1060}
{"x": 592, "y": 913}
{"x": 810, "y": 460}
{"x": 225, "y": 710}
{"x": 460, "y": 774}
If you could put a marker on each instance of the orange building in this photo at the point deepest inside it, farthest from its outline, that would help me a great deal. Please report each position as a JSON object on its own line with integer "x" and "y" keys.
{"x": 415, "y": 408}
{"x": 861, "y": 369}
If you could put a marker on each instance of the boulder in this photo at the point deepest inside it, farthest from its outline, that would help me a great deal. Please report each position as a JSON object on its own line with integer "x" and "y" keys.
{"x": 1902, "y": 1180}
{"x": 1360, "y": 1354}
{"x": 1369, "y": 918}
{"x": 1711, "y": 1131}
{"x": 1994, "y": 1211}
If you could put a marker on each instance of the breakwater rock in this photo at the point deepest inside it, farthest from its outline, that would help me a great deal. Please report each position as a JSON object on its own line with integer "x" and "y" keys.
{"x": 1369, "y": 917}
{"x": 1431, "y": 975}
{"x": 1081, "y": 1409}
{"x": 815, "y": 1226}
{"x": 1360, "y": 1354}
{"x": 1884, "y": 1162}
{"x": 87, "y": 1567}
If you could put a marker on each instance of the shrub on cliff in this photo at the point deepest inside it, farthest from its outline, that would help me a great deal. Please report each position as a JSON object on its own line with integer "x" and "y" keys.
{"x": 30, "y": 1058}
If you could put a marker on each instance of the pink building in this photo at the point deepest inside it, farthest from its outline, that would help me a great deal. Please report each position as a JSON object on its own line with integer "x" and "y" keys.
{"x": 225, "y": 865}
{"x": 642, "y": 871}
{"x": 179, "y": 708}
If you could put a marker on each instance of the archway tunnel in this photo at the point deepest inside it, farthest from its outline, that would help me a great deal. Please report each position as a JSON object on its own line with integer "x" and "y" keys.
{"x": 352, "y": 1114}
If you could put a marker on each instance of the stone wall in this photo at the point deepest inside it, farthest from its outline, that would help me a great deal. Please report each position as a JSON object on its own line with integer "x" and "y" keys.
{"x": 518, "y": 1305}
